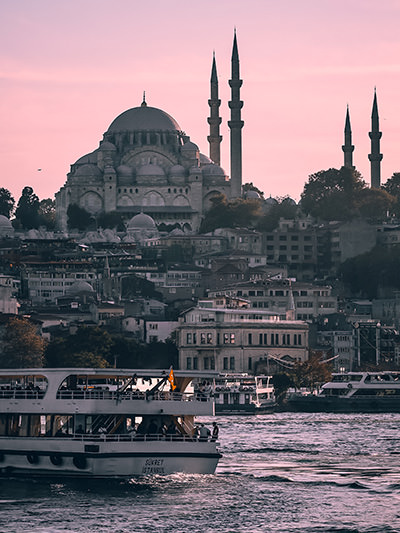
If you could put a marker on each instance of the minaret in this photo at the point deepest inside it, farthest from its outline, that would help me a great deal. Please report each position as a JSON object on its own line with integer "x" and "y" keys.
{"x": 348, "y": 148}
{"x": 214, "y": 119}
{"x": 375, "y": 156}
{"x": 236, "y": 124}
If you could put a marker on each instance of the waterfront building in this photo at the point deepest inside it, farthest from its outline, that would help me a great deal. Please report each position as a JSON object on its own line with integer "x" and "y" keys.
{"x": 237, "y": 339}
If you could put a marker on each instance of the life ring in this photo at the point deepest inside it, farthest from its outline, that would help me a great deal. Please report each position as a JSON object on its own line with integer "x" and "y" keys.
{"x": 32, "y": 458}
{"x": 56, "y": 460}
{"x": 80, "y": 462}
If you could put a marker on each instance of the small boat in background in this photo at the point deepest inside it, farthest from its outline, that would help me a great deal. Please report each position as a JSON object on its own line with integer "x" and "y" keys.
{"x": 357, "y": 392}
{"x": 240, "y": 393}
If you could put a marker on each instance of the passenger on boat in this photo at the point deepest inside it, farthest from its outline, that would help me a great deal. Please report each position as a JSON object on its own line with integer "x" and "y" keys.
{"x": 215, "y": 431}
{"x": 204, "y": 433}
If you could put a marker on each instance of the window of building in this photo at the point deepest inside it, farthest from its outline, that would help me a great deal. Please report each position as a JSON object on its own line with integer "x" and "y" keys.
{"x": 188, "y": 338}
{"x": 209, "y": 338}
{"x": 232, "y": 363}
{"x": 202, "y": 338}
{"x": 226, "y": 338}
{"x": 195, "y": 363}
{"x": 188, "y": 363}
{"x": 250, "y": 338}
{"x": 225, "y": 365}
{"x": 206, "y": 363}
{"x": 232, "y": 338}
{"x": 250, "y": 364}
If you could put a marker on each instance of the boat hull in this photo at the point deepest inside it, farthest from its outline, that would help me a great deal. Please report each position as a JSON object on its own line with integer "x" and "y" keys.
{"x": 119, "y": 460}
{"x": 317, "y": 404}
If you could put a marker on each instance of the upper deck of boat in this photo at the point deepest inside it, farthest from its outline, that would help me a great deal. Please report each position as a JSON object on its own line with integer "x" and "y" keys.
{"x": 72, "y": 390}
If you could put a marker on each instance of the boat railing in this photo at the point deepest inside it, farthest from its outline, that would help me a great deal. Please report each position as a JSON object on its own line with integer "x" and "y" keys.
{"x": 127, "y": 395}
{"x": 21, "y": 394}
{"x": 124, "y": 437}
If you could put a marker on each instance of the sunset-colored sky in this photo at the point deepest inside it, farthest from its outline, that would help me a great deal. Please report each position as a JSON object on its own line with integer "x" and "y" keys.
{"x": 68, "y": 68}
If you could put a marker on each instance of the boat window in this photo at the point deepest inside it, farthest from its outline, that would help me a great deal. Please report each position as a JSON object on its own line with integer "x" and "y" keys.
{"x": 23, "y": 386}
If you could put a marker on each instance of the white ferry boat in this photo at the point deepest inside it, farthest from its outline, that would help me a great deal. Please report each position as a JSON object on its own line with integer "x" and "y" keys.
{"x": 362, "y": 392}
{"x": 240, "y": 393}
{"x": 102, "y": 423}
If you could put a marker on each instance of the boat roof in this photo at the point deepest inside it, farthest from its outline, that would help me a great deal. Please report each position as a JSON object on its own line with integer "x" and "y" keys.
{"x": 105, "y": 372}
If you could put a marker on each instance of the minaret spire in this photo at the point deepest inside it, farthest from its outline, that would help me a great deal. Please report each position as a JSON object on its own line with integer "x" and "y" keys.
{"x": 236, "y": 124}
{"x": 348, "y": 148}
{"x": 375, "y": 156}
{"x": 214, "y": 119}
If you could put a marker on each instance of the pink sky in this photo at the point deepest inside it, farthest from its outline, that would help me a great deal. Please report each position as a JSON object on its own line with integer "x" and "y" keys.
{"x": 68, "y": 68}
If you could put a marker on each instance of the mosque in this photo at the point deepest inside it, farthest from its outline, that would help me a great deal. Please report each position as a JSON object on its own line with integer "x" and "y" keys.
{"x": 146, "y": 164}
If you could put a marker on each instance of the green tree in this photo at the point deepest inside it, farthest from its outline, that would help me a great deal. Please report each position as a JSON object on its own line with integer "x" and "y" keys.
{"x": 281, "y": 383}
{"x": 90, "y": 344}
{"x": 332, "y": 194}
{"x": 250, "y": 187}
{"x": 78, "y": 217}
{"x": 392, "y": 186}
{"x": 47, "y": 213}
{"x": 27, "y": 212}
{"x": 375, "y": 204}
{"x": 7, "y": 202}
{"x": 23, "y": 347}
{"x": 312, "y": 372}
{"x": 230, "y": 213}
{"x": 284, "y": 208}
{"x": 110, "y": 220}
{"x": 366, "y": 273}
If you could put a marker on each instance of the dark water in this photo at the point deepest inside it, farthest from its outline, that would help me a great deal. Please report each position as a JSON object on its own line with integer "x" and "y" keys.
{"x": 286, "y": 472}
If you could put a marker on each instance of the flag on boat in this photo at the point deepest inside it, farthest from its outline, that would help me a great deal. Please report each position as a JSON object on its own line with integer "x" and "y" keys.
{"x": 171, "y": 379}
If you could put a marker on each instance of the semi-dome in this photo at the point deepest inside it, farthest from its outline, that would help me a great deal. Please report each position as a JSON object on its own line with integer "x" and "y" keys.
{"x": 107, "y": 146}
{"x": 213, "y": 170}
{"x": 79, "y": 286}
{"x": 5, "y": 222}
{"x": 252, "y": 195}
{"x": 150, "y": 170}
{"x": 177, "y": 170}
{"x": 143, "y": 118}
{"x": 124, "y": 171}
{"x": 271, "y": 201}
{"x": 141, "y": 221}
{"x": 190, "y": 146}
{"x": 88, "y": 158}
{"x": 88, "y": 171}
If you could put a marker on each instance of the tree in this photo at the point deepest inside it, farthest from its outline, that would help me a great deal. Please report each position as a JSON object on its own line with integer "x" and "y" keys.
{"x": 375, "y": 204}
{"x": 47, "y": 213}
{"x": 312, "y": 372}
{"x": 250, "y": 187}
{"x": 87, "y": 347}
{"x": 392, "y": 186}
{"x": 27, "y": 212}
{"x": 284, "y": 208}
{"x": 110, "y": 220}
{"x": 366, "y": 273}
{"x": 7, "y": 202}
{"x": 332, "y": 194}
{"x": 281, "y": 383}
{"x": 23, "y": 346}
{"x": 230, "y": 213}
{"x": 78, "y": 217}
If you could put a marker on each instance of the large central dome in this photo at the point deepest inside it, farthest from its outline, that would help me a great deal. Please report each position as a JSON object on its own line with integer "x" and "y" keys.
{"x": 143, "y": 118}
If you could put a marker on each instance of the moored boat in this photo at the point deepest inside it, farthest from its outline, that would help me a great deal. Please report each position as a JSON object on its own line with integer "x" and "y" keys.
{"x": 361, "y": 392}
{"x": 101, "y": 423}
{"x": 240, "y": 393}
